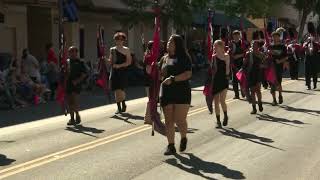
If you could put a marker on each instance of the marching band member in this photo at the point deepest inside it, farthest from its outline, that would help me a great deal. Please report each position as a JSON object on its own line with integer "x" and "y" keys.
{"x": 253, "y": 67}
{"x": 236, "y": 54}
{"x": 311, "y": 48}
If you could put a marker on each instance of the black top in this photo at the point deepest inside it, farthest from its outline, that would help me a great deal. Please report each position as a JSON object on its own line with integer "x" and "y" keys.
{"x": 76, "y": 68}
{"x": 178, "y": 92}
{"x": 278, "y": 51}
{"x": 237, "y": 49}
{"x": 119, "y": 77}
{"x": 220, "y": 80}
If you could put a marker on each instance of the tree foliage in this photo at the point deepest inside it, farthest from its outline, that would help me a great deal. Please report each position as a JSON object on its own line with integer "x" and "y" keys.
{"x": 180, "y": 12}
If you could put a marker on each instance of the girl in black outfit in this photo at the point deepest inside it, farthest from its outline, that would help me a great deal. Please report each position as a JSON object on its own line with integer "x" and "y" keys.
{"x": 253, "y": 64}
{"x": 119, "y": 59}
{"x": 279, "y": 57}
{"x": 175, "y": 97}
{"x": 220, "y": 71}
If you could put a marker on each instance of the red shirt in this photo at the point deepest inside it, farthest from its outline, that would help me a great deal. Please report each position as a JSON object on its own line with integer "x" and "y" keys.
{"x": 52, "y": 57}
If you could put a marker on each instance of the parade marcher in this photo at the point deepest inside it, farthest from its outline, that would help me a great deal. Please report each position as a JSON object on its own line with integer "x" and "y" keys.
{"x": 76, "y": 74}
{"x": 220, "y": 72}
{"x": 279, "y": 57}
{"x": 236, "y": 54}
{"x": 311, "y": 48}
{"x": 119, "y": 59}
{"x": 175, "y": 96}
{"x": 253, "y": 67}
{"x": 294, "y": 54}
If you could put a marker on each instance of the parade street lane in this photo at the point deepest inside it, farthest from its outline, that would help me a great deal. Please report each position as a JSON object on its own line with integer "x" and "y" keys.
{"x": 281, "y": 143}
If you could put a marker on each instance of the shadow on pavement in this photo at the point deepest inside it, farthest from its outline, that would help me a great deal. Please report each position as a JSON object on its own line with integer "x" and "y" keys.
{"x": 126, "y": 117}
{"x": 5, "y": 161}
{"x": 190, "y": 130}
{"x": 249, "y": 137}
{"x": 85, "y": 130}
{"x": 297, "y": 92}
{"x": 308, "y": 111}
{"x": 194, "y": 165}
{"x": 266, "y": 117}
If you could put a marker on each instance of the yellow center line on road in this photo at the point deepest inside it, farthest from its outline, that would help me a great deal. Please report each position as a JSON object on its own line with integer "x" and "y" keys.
{"x": 90, "y": 145}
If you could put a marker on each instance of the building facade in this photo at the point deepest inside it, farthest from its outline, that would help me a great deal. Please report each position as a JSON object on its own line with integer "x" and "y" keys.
{"x": 32, "y": 24}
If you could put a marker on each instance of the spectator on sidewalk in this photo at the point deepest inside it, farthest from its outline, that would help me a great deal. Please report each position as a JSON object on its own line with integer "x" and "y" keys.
{"x": 4, "y": 88}
{"x": 52, "y": 73}
{"x": 30, "y": 66}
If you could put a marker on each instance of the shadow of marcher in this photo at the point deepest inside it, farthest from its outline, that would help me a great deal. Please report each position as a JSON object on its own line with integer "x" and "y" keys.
{"x": 267, "y": 117}
{"x": 194, "y": 165}
{"x": 190, "y": 130}
{"x": 85, "y": 130}
{"x": 249, "y": 137}
{"x": 297, "y": 92}
{"x": 124, "y": 119}
{"x": 133, "y": 117}
{"x": 308, "y": 111}
{"x": 5, "y": 161}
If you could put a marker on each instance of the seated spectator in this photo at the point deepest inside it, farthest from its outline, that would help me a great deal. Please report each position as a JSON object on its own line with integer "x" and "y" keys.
{"x": 5, "y": 90}
{"x": 31, "y": 66}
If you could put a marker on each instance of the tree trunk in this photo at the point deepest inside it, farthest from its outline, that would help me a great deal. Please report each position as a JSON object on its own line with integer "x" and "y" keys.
{"x": 302, "y": 23}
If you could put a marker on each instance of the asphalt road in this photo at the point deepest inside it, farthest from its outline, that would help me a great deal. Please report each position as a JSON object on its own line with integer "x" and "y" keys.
{"x": 280, "y": 143}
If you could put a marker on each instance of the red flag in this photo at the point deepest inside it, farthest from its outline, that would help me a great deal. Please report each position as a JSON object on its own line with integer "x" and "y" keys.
{"x": 210, "y": 34}
{"x": 63, "y": 55}
{"x": 102, "y": 80}
{"x": 155, "y": 86}
{"x": 243, "y": 40}
{"x": 266, "y": 34}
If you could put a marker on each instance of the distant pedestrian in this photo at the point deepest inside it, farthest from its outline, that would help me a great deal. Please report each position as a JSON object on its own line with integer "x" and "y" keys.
{"x": 120, "y": 58}
{"x": 175, "y": 96}
{"x": 76, "y": 74}
{"x": 221, "y": 76}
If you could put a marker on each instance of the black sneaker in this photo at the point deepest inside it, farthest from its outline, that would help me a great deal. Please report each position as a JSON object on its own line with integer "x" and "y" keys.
{"x": 210, "y": 108}
{"x": 280, "y": 99}
{"x": 225, "y": 120}
{"x": 124, "y": 108}
{"x": 71, "y": 122}
{"x": 260, "y": 107}
{"x": 274, "y": 103}
{"x": 78, "y": 120}
{"x": 309, "y": 87}
{"x": 254, "y": 111}
{"x": 171, "y": 150}
{"x": 183, "y": 144}
{"x": 236, "y": 97}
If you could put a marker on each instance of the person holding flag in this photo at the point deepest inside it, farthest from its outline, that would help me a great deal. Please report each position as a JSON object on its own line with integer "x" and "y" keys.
{"x": 75, "y": 74}
{"x": 237, "y": 51}
{"x": 120, "y": 58}
{"x": 176, "y": 71}
{"x": 220, "y": 80}
{"x": 253, "y": 65}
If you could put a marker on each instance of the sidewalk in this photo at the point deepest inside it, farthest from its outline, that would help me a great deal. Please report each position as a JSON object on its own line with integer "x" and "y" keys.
{"x": 89, "y": 100}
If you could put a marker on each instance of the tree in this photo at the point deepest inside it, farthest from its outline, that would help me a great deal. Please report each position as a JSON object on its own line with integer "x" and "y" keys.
{"x": 305, "y": 8}
{"x": 180, "y": 12}
{"x": 253, "y": 8}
